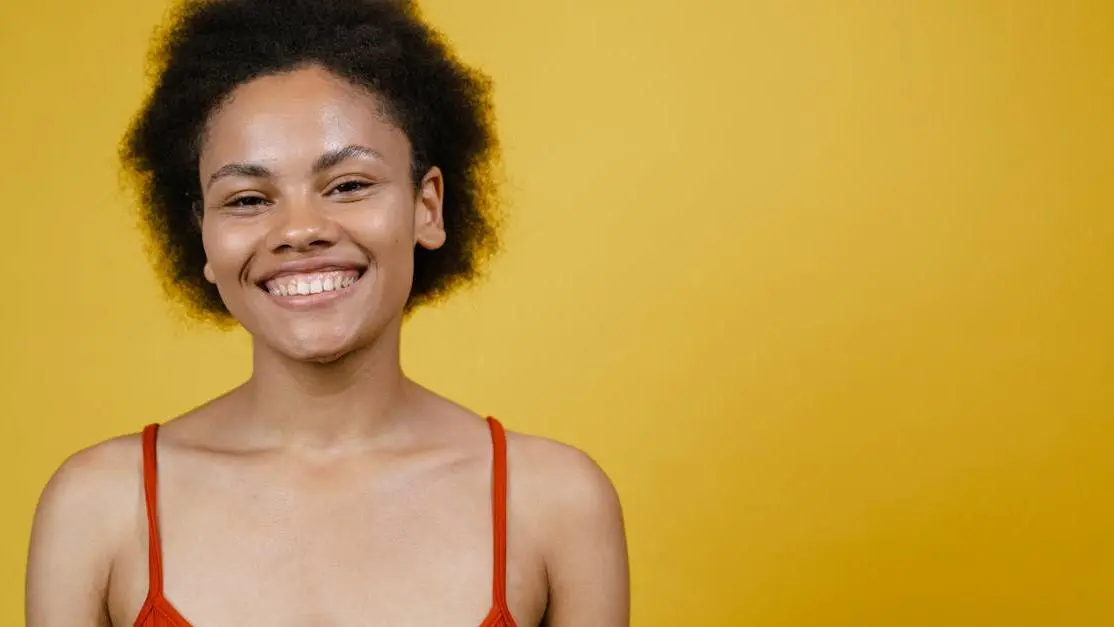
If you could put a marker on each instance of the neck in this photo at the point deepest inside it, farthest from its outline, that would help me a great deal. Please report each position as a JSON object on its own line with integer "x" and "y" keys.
{"x": 359, "y": 396}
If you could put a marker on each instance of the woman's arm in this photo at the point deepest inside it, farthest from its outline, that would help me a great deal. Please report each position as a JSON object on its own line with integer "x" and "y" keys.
{"x": 72, "y": 538}
{"x": 586, "y": 547}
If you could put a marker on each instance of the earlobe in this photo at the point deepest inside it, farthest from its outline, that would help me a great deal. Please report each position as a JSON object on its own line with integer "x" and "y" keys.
{"x": 208, "y": 272}
{"x": 432, "y": 240}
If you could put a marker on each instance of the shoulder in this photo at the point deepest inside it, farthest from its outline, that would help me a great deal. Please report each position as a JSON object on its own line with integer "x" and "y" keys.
{"x": 84, "y": 514}
{"x": 560, "y": 486}
{"x": 572, "y": 506}
{"x": 91, "y": 494}
{"x": 94, "y": 473}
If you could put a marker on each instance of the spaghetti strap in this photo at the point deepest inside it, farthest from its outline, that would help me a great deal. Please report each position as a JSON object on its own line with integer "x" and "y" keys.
{"x": 158, "y": 612}
{"x": 150, "y": 491}
{"x": 499, "y": 512}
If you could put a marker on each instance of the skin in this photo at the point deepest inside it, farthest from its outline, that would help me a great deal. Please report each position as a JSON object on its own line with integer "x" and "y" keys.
{"x": 328, "y": 489}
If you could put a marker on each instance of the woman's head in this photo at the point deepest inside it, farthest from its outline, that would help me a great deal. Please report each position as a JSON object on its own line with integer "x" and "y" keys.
{"x": 295, "y": 145}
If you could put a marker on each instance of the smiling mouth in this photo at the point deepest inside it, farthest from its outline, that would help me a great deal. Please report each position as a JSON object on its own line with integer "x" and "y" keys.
{"x": 311, "y": 283}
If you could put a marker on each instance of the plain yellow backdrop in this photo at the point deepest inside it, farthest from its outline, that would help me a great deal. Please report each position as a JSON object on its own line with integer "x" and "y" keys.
{"x": 826, "y": 287}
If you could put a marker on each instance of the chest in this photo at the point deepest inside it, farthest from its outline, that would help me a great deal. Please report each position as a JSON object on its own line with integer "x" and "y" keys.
{"x": 407, "y": 549}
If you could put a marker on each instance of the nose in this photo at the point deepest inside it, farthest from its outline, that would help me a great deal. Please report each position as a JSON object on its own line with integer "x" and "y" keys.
{"x": 302, "y": 225}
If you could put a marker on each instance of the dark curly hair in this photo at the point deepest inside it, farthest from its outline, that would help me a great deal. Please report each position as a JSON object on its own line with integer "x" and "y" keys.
{"x": 210, "y": 47}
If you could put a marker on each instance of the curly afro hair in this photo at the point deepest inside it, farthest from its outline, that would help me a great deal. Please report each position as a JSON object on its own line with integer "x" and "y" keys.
{"x": 210, "y": 47}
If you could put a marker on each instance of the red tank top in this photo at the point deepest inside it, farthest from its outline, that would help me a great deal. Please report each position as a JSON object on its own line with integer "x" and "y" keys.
{"x": 158, "y": 612}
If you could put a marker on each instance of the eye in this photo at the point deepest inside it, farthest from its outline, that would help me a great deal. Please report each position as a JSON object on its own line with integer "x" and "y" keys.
{"x": 247, "y": 201}
{"x": 348, "y": 187}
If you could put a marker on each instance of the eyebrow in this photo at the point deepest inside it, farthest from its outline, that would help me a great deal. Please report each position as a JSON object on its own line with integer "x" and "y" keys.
{"x": 324, "y": 162}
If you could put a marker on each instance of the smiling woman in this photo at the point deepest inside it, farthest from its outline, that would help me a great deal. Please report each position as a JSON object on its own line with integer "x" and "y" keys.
{"x": 307, "y": 179}
{"x": 314, "y": 182}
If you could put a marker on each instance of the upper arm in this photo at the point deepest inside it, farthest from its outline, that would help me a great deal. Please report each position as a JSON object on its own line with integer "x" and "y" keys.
{"x": 72, "y": 540}
{"x": 585, "y": 544}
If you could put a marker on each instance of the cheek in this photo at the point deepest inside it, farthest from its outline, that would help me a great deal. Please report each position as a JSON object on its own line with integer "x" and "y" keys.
{"x": 226, "y": 250}
{"x": 388, "y": 239}
{"x": 388, "y": 234}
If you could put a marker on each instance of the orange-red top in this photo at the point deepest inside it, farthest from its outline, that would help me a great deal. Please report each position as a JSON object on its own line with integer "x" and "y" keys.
{"x": 158, "y": 612}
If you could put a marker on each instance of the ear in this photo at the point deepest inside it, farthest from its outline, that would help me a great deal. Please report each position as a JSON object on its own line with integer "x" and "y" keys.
{"x": 429, "y": 220}
{"x": 208, "y": 272}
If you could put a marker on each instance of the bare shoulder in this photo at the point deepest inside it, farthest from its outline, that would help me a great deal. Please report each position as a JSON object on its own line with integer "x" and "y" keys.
{"x": 559, "y": 478}
{"x": 91, "y": 494}
{"x": 84, "y": 513}
{"x": 573, "y": 507}
{"x": 98, "y": 477}
{"x": 562, "y": 491}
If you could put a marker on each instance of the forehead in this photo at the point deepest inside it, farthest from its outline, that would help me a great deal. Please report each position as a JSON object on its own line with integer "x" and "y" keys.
{"x": 295, "y": 117}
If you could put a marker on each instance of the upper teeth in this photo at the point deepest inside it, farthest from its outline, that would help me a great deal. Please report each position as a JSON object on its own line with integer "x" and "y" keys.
{"x": 314, "y": 283}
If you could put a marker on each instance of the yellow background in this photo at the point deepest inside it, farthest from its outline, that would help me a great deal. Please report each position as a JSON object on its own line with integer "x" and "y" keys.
{"x": 825, "y": 286}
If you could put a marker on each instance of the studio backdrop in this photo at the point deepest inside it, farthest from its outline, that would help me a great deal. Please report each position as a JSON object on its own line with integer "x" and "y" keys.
{"x": 825, "y": 287}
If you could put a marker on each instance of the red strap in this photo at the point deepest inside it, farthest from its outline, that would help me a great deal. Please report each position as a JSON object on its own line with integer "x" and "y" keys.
{"x": 499, "y": 510}
{"x": 498, "y": 506}
{"x": 150, "y": 491}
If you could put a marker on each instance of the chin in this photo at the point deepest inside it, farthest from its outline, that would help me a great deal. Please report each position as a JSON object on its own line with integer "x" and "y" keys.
{"x": 318, "y": 352}
{"x": 313, "y": 354}
{"x": 315, "y": 345}
{"x": 321, "y": 338}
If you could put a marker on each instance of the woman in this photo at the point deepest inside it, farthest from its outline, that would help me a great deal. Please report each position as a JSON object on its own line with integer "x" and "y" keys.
{"x": 315, "y": 170}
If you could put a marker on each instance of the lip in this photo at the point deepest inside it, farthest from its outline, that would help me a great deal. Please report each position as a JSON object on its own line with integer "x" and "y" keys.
{"x": 315, "y": 264}
{"x": 303, "y": 302}
{"x": 311, "y": 301}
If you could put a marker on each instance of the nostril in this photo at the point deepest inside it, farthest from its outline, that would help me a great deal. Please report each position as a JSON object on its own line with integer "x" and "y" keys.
{"x": 289, "y": 245}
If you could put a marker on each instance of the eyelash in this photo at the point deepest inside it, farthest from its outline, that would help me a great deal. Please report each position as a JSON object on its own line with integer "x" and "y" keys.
{"x": 239, "y": 202}
{"x": 360, "y": 185}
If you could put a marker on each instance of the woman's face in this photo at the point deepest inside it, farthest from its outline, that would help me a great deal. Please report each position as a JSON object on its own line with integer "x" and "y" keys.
{"x": 311, "y": 214}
